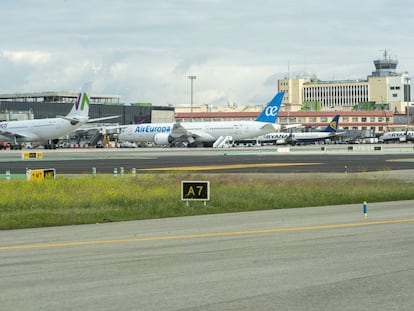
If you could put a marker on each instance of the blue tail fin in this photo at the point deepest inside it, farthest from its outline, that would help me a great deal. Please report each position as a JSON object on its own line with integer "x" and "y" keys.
{"x": 269, "y": 114}
{"x": 333, "y": 125}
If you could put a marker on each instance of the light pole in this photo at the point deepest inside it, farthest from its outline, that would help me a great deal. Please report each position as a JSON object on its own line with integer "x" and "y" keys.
{"x": 407, "y": 98}
{"x": 192, "y": 79}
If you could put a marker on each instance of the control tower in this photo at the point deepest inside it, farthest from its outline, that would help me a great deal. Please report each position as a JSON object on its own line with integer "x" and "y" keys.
{"x": 385, "y": 67}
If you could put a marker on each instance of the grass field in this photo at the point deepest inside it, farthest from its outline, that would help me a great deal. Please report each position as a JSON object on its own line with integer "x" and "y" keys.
{"x": 80, "y": 200}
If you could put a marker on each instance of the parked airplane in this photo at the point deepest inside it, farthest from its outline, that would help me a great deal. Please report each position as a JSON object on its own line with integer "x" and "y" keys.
{"x": 48, "y": 131}
{"x": 400, "y": 136}
{"x": 302, "y": 137}
{"x": 212, "y": 133}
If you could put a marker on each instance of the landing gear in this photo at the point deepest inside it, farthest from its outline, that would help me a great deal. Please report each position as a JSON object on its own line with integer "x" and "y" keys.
{"x": 50, "y": 146}
{"x": 15, "y": 147}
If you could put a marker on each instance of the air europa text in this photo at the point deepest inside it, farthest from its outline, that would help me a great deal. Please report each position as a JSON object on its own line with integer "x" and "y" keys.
{"x": 152, "y": 129}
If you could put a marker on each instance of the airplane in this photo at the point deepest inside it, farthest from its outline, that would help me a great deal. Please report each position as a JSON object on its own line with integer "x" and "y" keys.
{"x": 301, "y": 137}
{"x": 215, "y": 133}
{"x": 48, "y": 130}
{"x": 400, "y": 136}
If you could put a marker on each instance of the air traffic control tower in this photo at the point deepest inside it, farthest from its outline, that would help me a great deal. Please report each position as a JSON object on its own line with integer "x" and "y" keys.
{"x": 389, "y": 86}
{"x": 385, "y": 67}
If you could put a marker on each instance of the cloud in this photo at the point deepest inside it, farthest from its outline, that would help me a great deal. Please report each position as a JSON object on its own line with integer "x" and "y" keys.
{"x": 145, "y": 50}
{"x": 32, "y": 58}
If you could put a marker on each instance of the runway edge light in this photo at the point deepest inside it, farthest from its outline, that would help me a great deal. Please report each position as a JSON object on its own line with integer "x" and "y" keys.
{"x": 365, "y": 209}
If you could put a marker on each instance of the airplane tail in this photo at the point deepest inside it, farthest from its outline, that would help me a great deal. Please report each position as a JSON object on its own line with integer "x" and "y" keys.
{"x": 333, "y": 125}
{"x": 270, "y": 113}
{"x": 81, "y": 106}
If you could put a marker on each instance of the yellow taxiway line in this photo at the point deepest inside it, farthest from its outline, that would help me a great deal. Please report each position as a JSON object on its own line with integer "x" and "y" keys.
{"x": 207, "y": 235}
{"x": 225, "y": 167}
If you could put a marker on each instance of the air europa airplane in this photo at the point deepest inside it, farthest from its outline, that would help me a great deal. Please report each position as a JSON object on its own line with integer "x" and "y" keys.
{"x": 205, "y": 133}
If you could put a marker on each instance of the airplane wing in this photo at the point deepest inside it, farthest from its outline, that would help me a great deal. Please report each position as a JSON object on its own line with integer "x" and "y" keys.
{"x": 76, "y": 120}
{"x": 268, "y": 126}
{"x": 17, "y": 135}
{"x": 73, "y": 121}
{"x": 12, "y": 134}
{"x": 200, "y": 135}
{"x": 178, "y": 131}
{"x": 103, "y": 118}
{"x": 291, "y": 126}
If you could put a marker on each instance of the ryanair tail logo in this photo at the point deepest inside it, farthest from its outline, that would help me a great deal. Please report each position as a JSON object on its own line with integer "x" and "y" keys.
{"x": 333, "y": 125}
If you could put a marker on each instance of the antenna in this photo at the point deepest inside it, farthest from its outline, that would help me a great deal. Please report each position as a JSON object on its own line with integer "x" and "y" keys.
{"x": 386, "y": 54}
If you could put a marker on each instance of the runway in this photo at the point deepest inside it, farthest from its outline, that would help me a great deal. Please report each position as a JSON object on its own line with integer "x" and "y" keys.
{"x": 241, "y": 160}
{"x": 321, "y": 258}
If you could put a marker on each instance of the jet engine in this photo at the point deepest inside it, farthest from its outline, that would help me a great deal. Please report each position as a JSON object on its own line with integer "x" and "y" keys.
{"x": 162, "y": 139}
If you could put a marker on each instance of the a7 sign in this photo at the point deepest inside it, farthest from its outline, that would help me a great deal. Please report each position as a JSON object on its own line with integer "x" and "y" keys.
{"x": 195, "y": 190}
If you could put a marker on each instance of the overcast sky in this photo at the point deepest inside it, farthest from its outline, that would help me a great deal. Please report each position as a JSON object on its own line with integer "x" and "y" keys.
{"x": 145, "y": 50}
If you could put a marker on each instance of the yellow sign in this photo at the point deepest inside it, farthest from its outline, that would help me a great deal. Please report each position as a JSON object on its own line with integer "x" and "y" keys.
{"x": 195, "y": 190}
{"x": 41, "y": 174}
{"x": 32, "y": 155}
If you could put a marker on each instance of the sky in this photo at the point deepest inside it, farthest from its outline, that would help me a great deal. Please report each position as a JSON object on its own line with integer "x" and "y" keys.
{"x": 144, "y": 51}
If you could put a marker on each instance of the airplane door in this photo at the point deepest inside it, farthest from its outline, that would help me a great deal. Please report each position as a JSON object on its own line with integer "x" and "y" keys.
{"x": 240, "y": 130}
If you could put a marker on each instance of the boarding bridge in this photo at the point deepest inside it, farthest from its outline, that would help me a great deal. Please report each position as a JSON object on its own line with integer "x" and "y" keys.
{"x": 223, "y": 141}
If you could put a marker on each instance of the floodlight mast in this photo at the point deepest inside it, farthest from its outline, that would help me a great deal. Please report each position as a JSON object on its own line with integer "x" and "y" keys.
{"x": 192, "y": 78}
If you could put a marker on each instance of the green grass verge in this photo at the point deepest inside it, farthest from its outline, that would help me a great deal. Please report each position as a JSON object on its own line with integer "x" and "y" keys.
{"x": 82, "y": 200}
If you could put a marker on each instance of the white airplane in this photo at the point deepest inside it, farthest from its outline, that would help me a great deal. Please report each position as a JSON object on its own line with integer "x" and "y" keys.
{"x": 302, "y": 137}
{"x": 214, "y": 134}
{"x": 49, "y": 130}
{"x": 400, "y": 136}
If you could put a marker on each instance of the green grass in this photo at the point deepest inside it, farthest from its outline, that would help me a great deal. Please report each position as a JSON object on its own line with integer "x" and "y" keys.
{"x": 82, "y": 200}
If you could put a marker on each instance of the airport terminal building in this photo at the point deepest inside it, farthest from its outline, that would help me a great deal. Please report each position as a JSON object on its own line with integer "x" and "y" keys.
{"x": 384, "y": 89}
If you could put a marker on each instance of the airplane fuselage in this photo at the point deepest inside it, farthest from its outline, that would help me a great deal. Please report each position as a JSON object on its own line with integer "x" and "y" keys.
{"x": 296, "y": 137}
{"x": 398, "y": 135}
{"x": 236, "y": 129}
{"x": 199, "y": 131}
{"x": 39, "y": 130}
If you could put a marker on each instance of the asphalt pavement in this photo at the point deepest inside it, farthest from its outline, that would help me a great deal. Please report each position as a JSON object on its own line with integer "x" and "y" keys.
{"x": 320, "y": 258}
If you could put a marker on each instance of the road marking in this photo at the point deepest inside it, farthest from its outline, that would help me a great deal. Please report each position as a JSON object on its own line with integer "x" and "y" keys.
{"x": 224, "y": 167}
{"x": 401, "y": 160}
{"x": 207, "y": 235}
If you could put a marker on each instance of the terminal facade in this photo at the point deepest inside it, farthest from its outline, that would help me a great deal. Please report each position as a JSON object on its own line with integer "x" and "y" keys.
{"x": 384, "y": 89}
